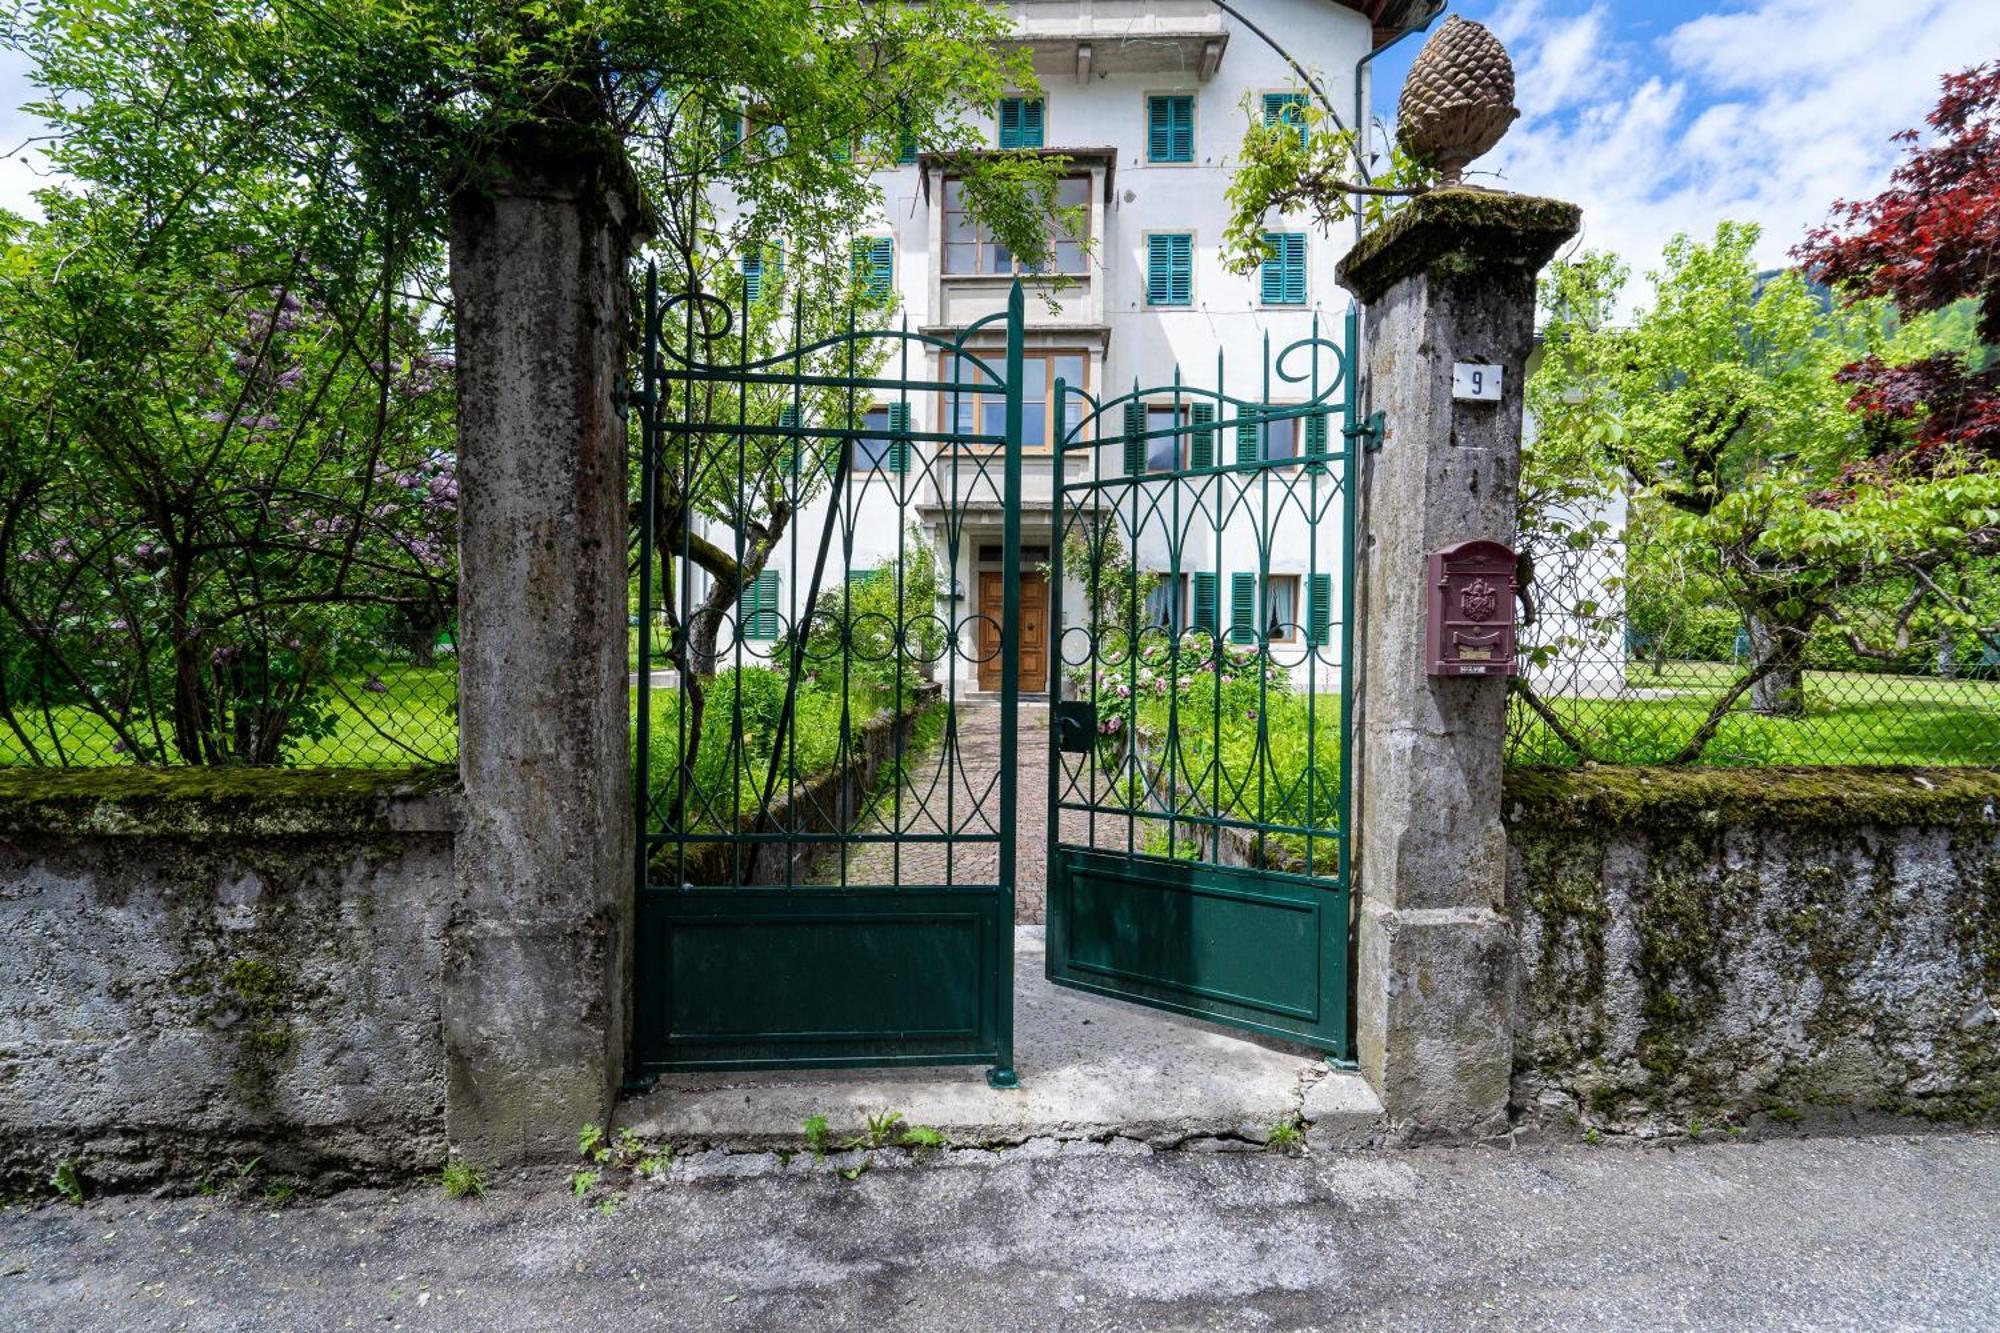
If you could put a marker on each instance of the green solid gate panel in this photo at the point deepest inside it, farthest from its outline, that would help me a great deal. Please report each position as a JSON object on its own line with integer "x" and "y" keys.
{"x": 1199, "y": 771}
{"x": 799, "y": 901}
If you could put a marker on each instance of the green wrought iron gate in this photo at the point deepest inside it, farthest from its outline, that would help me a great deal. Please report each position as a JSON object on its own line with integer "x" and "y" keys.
{"x": 1198, "y": 769}
{"x": 823, "y": 878}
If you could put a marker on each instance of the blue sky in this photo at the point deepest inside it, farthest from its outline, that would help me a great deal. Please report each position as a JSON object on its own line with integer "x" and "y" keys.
{"x": 1656, "y": 116}
{"x": 1660, "y": 116}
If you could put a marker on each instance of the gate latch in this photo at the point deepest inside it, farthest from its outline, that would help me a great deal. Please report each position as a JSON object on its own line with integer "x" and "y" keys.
{"x": 1076, "y": 725}
{"x": 1368, "y": 430}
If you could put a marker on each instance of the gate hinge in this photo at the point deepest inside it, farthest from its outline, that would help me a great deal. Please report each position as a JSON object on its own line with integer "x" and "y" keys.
{"x": 1368, "y": 430}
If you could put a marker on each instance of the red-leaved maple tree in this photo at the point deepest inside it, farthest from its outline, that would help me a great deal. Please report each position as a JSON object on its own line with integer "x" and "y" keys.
{"x": 1929, "y": 240}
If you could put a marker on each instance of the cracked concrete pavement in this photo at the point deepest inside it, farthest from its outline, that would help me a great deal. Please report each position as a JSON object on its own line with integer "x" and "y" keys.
{"x": 1886, "y": 1231}
{"x": 1090, "y": 1068}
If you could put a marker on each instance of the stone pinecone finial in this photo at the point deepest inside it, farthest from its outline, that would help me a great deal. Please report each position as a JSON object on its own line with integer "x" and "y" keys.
{"x": 1458, "y": 99}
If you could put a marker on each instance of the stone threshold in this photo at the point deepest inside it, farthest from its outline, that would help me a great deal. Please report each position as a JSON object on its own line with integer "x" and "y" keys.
{"x": 1091, "y": 1069}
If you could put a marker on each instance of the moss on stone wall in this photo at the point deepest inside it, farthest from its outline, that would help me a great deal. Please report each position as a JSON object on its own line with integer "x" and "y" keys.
{"x": 1719, "y": 946}
{"x": 1650, "y": 798}
{"x": 211, "y": 802}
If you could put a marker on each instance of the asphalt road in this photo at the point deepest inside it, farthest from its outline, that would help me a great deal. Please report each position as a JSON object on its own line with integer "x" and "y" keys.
{"x": 1876, "y": 1233}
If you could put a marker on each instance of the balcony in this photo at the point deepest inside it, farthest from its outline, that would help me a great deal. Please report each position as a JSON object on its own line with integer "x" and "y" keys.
{"x": 1081, "y": 37}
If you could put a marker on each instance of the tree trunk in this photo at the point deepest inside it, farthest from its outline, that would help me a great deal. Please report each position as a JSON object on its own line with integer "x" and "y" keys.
{"x": 1782, "y": 690}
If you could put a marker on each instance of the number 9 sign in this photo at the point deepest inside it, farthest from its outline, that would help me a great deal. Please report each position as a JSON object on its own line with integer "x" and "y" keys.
{"x": 1476, "y": 382}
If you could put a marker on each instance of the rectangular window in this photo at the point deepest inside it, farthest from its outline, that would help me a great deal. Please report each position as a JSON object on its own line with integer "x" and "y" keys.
{"x": 1021, "y": 122}
{"x": 886, "y": 446}
{"x": 1286, "y": 109}
{"x": 1163, "y": 447}
{"x": 1170, "y": 268}
{"x": 1242, "y": 608}
{"x": 1281, "y": 440}
{"x": 972, "y": 411}
{"x": 1170, "y": 129}
{"x": 970, "y": 248}
{"x": 1319, "y": 610}
{"x": 759, "y": 607}
{"x": 1283, "y": 276}
{"x": 875, "y": 266}
{"x": 1281, "y": 608}
{"x": 1163, "y": 602}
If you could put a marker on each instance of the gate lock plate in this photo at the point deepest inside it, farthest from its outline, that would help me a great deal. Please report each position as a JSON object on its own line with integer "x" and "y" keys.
{"x": 1076, "y": 725}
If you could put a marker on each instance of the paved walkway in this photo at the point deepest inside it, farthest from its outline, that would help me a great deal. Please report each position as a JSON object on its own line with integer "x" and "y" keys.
{"x": 974, "y": 806}
{"x": 1875, "y": 1233}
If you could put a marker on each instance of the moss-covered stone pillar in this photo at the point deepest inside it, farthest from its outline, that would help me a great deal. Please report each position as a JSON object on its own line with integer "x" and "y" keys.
{"x": 537, "y": 951}
{"x": 1451, "y": 278}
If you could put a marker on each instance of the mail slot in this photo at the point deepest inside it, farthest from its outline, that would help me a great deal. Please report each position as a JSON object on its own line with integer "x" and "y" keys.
{"x": 1470, "y": 627}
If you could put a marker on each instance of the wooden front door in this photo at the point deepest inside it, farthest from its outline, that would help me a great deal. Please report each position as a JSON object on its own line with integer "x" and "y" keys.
{"x": 1033, "y": 676}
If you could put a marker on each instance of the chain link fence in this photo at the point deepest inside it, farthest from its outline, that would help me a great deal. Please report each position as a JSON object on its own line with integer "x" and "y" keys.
{"x": 1630, "y": 656}
{"x": 359, "y": 705}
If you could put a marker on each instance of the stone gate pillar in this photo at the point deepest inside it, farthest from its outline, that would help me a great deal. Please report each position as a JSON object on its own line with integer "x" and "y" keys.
{"x": 537, "y": 950}
{"x": 1450, "y": 278}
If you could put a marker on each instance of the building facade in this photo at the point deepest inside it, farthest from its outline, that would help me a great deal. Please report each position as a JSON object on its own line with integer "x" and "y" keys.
{"x": 1148, "y": 102}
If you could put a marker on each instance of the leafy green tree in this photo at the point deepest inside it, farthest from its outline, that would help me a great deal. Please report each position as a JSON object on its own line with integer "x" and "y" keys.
{"x": 219, "y": 481}
{"x": 1718, "y": 409}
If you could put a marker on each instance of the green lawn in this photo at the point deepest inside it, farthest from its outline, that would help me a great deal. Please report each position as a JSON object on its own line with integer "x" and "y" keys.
{"x": 411, "y": 719}
{"x": 1851, "y": 717}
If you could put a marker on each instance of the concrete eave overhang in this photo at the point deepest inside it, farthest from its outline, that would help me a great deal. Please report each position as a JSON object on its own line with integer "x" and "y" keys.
{"x": 935, "y": 164}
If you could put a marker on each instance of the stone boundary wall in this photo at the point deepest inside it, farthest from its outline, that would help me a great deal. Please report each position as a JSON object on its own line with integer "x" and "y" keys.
{"x": 1701, "y": 949}
{"x": 205, "y": 967}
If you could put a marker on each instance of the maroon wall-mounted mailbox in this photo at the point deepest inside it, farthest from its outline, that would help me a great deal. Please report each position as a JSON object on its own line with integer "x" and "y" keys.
{"x": 1469, "y": 630}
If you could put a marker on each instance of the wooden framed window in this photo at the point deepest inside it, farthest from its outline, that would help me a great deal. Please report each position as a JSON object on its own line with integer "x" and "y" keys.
{"x": 975, "y": 412}
{"x": 1170, "y": 268}
{"x": 1170, "y": 128}
{"x": 1286, "y": 109}
{"x": 1262, "y": 440}
{"x": 886, "y": 446}
{"x": 1281, "y": 608}
{"x": 1282, "y": 278}
{"x": 970, "y": 248}
{"x": 1021, "y": 122}
{"x": 875, "y": 266}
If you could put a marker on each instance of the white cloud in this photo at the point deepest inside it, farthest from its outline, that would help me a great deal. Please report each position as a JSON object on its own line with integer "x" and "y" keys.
{"x": 1766, "y": 114}
{"x": 20, "y": 172}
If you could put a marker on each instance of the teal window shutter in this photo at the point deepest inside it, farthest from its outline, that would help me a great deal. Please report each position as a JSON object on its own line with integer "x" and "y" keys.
{"x": 760, "y": 606}
{"x": 1319, "y": 609}
{"x": 899, "y": 437}
{"x": 1201, "y": 446}
{"x": 753, "y": 276}
{"x": 875, "y": 266}
{"x": 1242, "y": 608}
{"x": 1249, "y": 437}
{"x": 906, "y": 144}
{"x": 1204, "y": 602}
{"x": 1170, "y": 129}
{"x": 1283, "y": 275}
{"x": 1316, "y": 451}
{"x": 1135, "y": 447}
{"x": 729, "y": 123}
{"x": 1169, "y": 268}
{"x": 1287, "y": 109}
{"x": 1020, "y": 122}
{"x": 777, "y": 262}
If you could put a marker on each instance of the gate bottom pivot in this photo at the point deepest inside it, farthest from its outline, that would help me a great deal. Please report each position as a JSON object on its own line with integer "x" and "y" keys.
{"x": 1002, "y": 1076}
